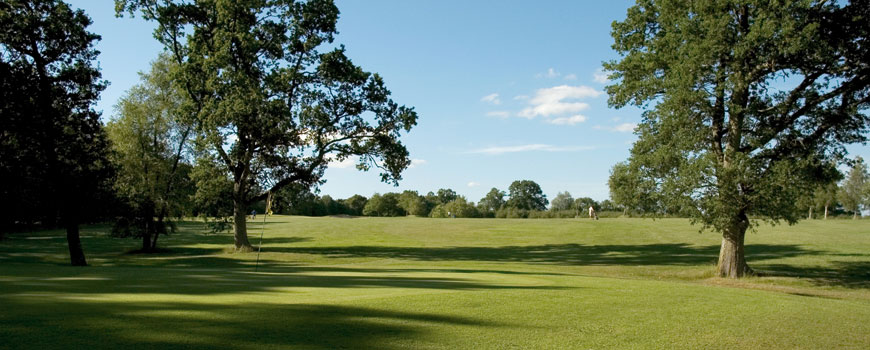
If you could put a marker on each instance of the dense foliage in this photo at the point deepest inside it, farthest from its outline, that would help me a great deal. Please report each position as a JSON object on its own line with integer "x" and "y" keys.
{"x": 272, "y": 107}
{"x": 722, "y": 139}
{"x": 53, "y": 149}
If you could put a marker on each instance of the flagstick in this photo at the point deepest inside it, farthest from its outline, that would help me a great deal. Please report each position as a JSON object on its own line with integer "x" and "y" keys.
{"x": 260, "y": 246}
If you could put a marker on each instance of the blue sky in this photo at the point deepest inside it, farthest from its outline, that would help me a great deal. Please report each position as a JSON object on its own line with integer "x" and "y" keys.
{"x": 505, "y": 90}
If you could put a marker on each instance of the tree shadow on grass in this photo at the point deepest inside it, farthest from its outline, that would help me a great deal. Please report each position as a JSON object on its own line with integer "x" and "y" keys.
{"x": 566, "y": 254}
{"x": 849, "y": 274}
{"x": 216, "y": 275}
{"x": 57, "y": 323}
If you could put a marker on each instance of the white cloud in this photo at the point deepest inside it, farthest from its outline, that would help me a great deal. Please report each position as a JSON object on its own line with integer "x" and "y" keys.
{"x": 600, "y": 76}
{"x": 417, "y": 162}
{"x": 551, "y": 101}
{"x": 521, "y": 97}
{"x": 473, "y": 184}
{"x": 625, "y": 127}
{"x": 348, "y": 162}
{"x": 551, "y": 73}
{"x": 529, "y": 148}
{"x": 491, "y": 99}
{"x": 579, "y": 118}
{"x": 498, "y": 114}
{"x": 571, "y": 77}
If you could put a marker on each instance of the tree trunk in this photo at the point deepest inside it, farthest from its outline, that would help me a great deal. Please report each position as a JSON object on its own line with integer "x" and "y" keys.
{"x": 146, "y": 241}
{"x": 76, "y": 254}
{"x": 148, "y": 214}
{"x": 240, "y": 226}
{"x": 810, "y": 216}
{"x": 826, "y": 212}
{"x": 732, "y": 259}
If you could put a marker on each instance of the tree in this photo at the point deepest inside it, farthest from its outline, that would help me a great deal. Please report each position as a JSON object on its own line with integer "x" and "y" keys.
{"x": 297, "y": 199}
{"x": 852, "y": 192}
{"x": 445, "y": 195}
{"x": 526, "y": 195}
{"x": 383, "y": 205}
{"x": 458, "y": 207}
{"x": 53, "y": 146}
{"x": 493, "y": 201}
{"x": 413, "y": 204}
{"x": 583, "y": 203}
{"x": 720, "y": 140}
{"x": 355, "y": 204}
{"x": 825, "y": 196}
{"x": 273, "y": 108}
{"x": 608, "y": 205}
{"x": 563, "y": 201}
{"x": 150, "y": 138}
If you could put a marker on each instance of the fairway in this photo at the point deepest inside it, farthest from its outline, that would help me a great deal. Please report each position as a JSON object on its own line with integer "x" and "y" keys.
{"x": 419, "y": 283}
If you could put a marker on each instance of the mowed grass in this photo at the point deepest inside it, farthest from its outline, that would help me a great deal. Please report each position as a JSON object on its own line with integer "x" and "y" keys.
{"x": 416, "y": 283}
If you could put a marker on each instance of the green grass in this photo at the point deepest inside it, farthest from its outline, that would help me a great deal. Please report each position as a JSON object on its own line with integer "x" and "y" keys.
{"x": 411, "y": 283}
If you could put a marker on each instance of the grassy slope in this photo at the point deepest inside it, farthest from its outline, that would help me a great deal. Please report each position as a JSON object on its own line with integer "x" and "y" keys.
{"x": 442, "y": 283}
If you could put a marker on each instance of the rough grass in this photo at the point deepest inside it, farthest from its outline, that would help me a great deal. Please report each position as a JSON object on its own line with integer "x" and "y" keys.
{"x": 399, "y": 283}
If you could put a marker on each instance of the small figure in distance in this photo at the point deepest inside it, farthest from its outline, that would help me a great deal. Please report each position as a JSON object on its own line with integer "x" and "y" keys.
{"x": 253, "y": 214}
{"x": 592, "y": 213}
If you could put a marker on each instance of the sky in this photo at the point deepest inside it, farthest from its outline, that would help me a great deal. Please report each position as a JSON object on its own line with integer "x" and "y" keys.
{"x": 504, "y": 90}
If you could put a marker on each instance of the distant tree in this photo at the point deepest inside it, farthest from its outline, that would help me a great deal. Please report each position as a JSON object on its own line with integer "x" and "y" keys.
{"x": 213, "y": 197}
{"x": 446, "y": 195}
{"x": 383, "y": 205}
{"x": 150, "y": 138}
{"x": 458, "y": 207}
{"x": 355, "y": 204}
{"x": 722, "y": 139}
{"x": 608, "y": 205}
{"x": 413, "y": 204}
{"x": 493, "y": 201}
{"x": 825, "y": 196}
{"x": 583, "y": 204}
{"x": 331, "y": 206}
{"x": 632, "y": 188}
{"x": 562, "y": 201}
{"x": 526, "y": 195}
{"x": 297, "y": 199}
{"x": 274, "y": 110}
{"x": 853, "y": 190}
{"x": 53, "y": 149}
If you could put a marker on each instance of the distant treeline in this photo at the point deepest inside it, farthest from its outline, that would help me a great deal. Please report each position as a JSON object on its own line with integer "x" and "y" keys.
{"x": 524, "y": 199}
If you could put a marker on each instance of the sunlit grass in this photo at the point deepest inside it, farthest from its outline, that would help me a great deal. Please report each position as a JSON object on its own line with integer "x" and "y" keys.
{"x": 390, "y": 283}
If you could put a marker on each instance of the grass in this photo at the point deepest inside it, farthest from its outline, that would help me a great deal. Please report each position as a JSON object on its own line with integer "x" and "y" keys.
{"x": 400, "y": 283}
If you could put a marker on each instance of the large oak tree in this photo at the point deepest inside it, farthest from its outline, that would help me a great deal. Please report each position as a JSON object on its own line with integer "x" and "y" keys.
{"x": 273, "y": 107}
{"x": 53, "y": 150}
{"x": 748, "y": 105}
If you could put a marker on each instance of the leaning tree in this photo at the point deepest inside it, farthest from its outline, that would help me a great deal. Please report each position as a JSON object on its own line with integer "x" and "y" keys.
{"x": 53, "y": 150}
{"x": 275, "y": 100}
{"x": 748, "y": 103}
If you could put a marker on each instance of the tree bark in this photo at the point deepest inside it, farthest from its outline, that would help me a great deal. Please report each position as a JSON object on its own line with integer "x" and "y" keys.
{"x": 149, "y": 227}
{"x": 146, "y": 241}
{"x": 153, "y": 242}
{"x": 240, "y": 229}
{"x": 810, "y": 216}
{"x": 76, "y": 254}
{"x": 732, "y": 259}
{"x": 826, "y": 212}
